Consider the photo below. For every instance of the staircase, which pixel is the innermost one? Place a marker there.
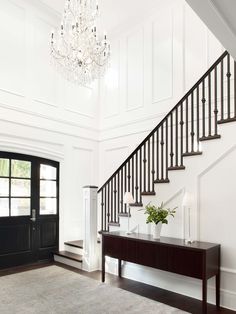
(195, 118)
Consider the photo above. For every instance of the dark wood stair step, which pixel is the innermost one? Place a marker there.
(124, 215)
(148, 193)
(76, 243)
(209, 137)
(162, 181)
(191, 154)
(176, 168)
(114, 224)
(69, 255)
(228, 120)
(136, 205)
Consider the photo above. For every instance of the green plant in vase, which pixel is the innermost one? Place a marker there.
(158, 215)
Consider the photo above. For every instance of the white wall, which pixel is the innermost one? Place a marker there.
(41, 113)
(153, 64)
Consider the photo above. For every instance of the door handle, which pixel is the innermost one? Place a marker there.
(33, 218)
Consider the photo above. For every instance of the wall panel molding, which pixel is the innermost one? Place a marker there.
(138, 102)
(77, 112)
(45, 116)
(12, 93)
(22, 147)
(160, 54)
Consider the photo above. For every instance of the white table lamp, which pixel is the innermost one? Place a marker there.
(187, 200)
(128, 199)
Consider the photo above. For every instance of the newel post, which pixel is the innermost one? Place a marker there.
(90, 258)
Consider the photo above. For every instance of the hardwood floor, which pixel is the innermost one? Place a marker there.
(170, 298)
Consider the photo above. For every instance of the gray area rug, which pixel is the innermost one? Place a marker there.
(56, 290)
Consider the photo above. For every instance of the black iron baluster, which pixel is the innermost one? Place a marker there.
(102, 212)
(112, 204)
(203, 109)
(115, 191)
(198, 117)
(108, 204)
(186, 124)
(222, 89)
(209, 104)
(216, 108)
(129, 176)
(162, 153)
(140, 175)
(171, 139)
(144, 167)
(176, 137)
(122, 190)
(118, 193)
(132, 176)
(148, 167)
(192, 123)
(181, 135)
(228, 85)
(157, 156)
(125, 178)
(105, 211)
(166, 162)
(136, 177)
(153, 164)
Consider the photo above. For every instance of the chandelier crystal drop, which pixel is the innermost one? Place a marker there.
(77, 50)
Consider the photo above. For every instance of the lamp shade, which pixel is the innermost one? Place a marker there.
(128, 198)
(187, 199)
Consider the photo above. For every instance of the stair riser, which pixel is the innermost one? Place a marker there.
(75, 250)
(67, 261)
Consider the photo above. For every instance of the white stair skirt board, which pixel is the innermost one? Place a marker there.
(68, 262)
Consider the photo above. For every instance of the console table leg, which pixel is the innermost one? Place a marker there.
(204, 296)
(218, 290)
(119, 267)
(103, 268)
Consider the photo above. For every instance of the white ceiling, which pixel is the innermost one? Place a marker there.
(115, 14)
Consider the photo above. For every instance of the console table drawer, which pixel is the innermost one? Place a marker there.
(185, 262)
(121, 248)
(150, 254)
(114, 247)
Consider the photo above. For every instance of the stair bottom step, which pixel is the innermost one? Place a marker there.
(70, 256)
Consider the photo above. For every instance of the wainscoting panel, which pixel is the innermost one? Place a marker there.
(135, 69)
(13, 48)
(162, 57)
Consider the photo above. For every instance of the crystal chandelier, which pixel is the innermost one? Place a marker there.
(76, 48)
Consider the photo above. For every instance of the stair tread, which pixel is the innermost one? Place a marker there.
(115, 224)
(136, 205)
(148, 193)
(124, 215)
(162, 181)
(191, 154)
(209, 137)
(69, 255)
(176, 168)
(75, 243)
(227, 120)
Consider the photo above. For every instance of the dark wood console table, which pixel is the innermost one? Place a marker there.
(199, 260)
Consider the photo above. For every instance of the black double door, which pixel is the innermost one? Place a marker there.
(29, 209)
